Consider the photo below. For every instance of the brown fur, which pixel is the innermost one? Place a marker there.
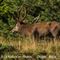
(55, 28)
(24, 29)
(38, 29)
(42, 29)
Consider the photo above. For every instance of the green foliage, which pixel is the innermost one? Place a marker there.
(29, 10)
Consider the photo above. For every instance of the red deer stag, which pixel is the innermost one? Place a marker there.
(37, 30)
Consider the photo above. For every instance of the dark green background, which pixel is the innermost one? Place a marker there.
(33, 11)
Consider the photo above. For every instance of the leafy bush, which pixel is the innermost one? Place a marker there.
(29, 10)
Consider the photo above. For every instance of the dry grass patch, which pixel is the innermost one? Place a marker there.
(32, 46)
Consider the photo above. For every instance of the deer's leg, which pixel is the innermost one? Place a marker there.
(36, 35)
(54, 36)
